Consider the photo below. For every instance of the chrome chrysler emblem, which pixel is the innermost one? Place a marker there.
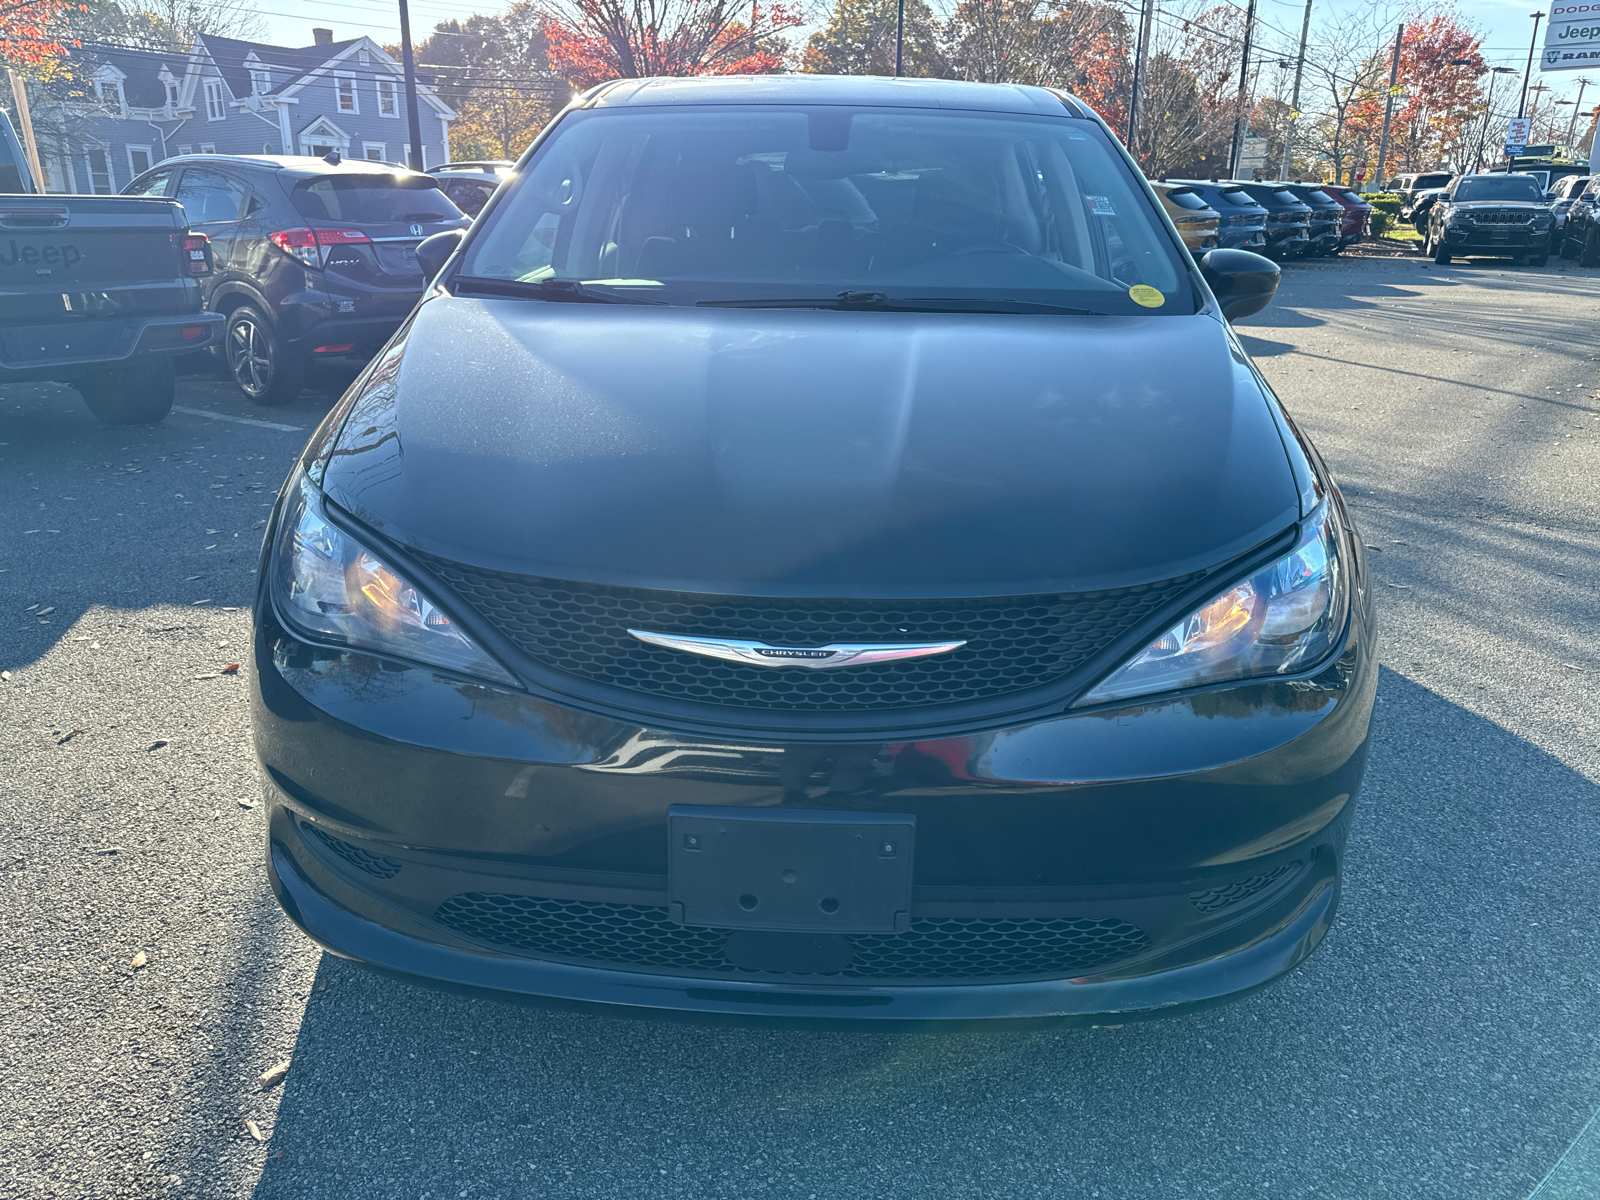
(816, 658)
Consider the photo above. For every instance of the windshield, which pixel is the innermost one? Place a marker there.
(376, 198)
(720, 205)
(1431, 181)
(1352, 197)
(1282, 195)
(1187, 199)
(1498, 187)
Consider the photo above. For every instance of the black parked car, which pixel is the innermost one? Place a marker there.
(1243, 221)
(314, 259)
(1580, 234)
(1326, 218)
(1288, 219)
(1506, 216)
(817, 551)
(1561, 196)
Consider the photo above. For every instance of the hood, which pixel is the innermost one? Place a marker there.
(814, 453)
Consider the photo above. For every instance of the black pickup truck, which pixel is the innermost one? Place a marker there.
(98, 292)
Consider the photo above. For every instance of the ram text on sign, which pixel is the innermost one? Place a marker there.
(1572, 38)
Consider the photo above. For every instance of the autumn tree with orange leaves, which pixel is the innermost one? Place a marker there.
(591, 41)
(1441, 102)
(30, 31)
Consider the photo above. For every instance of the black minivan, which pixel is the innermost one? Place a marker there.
(315, 259)
(817, 551)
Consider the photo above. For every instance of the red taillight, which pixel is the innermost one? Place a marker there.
(336, 348)
(197, 254)
(190, 332)
(308, 245)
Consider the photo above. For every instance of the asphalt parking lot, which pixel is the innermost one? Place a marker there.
(1442, 1043)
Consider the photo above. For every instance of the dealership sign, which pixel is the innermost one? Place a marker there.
(1572, 38)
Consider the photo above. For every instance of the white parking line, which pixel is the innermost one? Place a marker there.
(216, 416)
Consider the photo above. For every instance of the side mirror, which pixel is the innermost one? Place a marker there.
(1243, 283)
(432, 252)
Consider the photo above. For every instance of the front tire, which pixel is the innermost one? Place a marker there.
(1440, 254)
(1589, 256)
(137, 395)
(266, 370)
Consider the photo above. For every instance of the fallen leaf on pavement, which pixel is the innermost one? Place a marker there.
(255, 1131)
(42, 611)
(274, 1074)
(104, 849)
(156, 746)
(139, 960)
(213, 675)
(231, 669)
(5, 675)
(247, 804)
(70, 736)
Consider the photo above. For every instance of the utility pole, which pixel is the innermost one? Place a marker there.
(1389, 108)
(25, 119)
(1146, 20)
(899, 39)
(1572, 128)
(1527, 74)
(410, 65)
(1239, 122)
(1488, 114)
(1294, 100)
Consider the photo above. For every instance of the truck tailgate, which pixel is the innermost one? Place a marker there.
(70, 258)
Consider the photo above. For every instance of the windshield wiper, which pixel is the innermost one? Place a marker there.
(883, 302)
(563, 291)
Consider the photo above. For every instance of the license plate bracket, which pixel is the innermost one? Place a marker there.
(796, 870)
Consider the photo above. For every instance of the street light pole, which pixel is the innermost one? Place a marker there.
(1146, 20)
(1577, 107)
(1294, 100)
(410, 66)
(1388, 105)
(899, 39)
(1239, 120)
(1533, 44)
(1488, 112)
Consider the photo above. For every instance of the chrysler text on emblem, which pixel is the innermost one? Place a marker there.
(817, 658)
(416, 231)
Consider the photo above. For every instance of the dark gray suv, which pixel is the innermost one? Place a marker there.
(315, 259)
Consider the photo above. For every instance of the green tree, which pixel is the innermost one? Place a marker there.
(859, 39)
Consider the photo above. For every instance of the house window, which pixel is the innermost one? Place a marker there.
(386, 100)
(208, 147)
(138, 159)
(101, 181)
(185, 149)
(214, 108)
(260, 82)
(346, 87)
(375, 151)
(172, 95)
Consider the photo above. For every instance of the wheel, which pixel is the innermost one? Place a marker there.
(1440, 254)
(137, 395)
(265, 370)
(1589, 256)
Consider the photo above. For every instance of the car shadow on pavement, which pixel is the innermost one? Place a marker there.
(1439, 1044)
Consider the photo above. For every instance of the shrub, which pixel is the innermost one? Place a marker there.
(1387, 214)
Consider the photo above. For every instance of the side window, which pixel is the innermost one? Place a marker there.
(155, 185)
(208, 196)
(469, 197)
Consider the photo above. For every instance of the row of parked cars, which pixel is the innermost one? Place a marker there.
(1523, 215)
(1283, 220)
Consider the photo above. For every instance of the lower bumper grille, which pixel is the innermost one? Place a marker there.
(629, 936)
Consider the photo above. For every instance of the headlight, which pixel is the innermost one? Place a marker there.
(329, 586)
(1280, 620)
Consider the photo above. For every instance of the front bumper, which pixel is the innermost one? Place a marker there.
(1212, 825)
(1495, 240)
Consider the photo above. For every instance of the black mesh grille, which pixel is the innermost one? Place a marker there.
(640, 936)
(365, 860)
(1216, 898)
(1504, 217)
(1013, 643)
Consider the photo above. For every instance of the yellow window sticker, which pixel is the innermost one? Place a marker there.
(1146, 295)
